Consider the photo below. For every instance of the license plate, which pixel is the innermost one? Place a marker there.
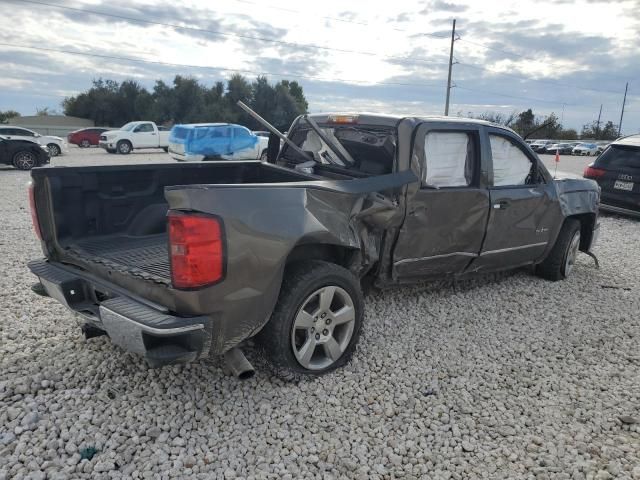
(628, 186)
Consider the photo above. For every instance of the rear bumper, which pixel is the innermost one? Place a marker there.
(133, 323)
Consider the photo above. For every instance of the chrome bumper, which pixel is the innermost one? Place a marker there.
(134, 324)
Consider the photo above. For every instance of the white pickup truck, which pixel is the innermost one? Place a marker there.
(133, 136)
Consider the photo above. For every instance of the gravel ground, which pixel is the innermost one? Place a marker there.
(504, 377)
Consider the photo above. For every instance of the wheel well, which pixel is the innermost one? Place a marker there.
(339, 255)
(587, 221)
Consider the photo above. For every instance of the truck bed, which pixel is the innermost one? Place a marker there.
(143, 256)
(115, 216)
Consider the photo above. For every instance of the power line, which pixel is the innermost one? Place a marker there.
(235, 35)
(539, 80)
(556, 102)
(207, 67)
(519, 55)
(344, 20)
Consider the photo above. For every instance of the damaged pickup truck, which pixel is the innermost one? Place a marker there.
(180, 262)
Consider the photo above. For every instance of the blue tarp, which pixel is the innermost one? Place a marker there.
(213, 139)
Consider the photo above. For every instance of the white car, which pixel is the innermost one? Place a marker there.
(55, 145)
(585, 149)
(134, 136)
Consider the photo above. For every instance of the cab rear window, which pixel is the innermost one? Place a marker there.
(371, 147)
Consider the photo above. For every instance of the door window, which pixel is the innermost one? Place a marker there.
(450, 157)
(23, 133)
(510, 164)
(144, 128)
(240, 132)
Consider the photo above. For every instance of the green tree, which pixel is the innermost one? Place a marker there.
(7, 115)
(592, 131)
(186, 100)
(525, 122)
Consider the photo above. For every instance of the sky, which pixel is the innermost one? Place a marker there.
(562, 56)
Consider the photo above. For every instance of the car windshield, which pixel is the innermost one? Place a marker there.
(129, 126)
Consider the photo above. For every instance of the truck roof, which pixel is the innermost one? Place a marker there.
(392, 120)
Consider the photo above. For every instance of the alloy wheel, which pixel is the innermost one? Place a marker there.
(323, 327)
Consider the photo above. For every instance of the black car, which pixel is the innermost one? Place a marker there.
(617, 171)
(22, 154)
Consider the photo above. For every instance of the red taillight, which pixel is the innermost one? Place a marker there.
(591, 172)
(196, 244)
(34, 215)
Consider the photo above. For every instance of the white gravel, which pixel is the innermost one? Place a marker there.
(509, 377)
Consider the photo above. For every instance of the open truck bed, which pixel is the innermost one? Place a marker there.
(104, 234)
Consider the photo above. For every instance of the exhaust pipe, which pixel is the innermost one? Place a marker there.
(238, 364)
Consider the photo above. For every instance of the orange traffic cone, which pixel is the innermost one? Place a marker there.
(557, 156)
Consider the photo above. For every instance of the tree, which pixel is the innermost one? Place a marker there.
(525, 122)
(7, 115)
(594, 132)
(186, 100)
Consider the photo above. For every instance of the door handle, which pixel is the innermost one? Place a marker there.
(502, 204)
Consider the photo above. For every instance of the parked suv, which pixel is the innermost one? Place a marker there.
(86, 137)
(617, 171)
(55, 145)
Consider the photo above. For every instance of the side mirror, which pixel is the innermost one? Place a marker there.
(37, 135)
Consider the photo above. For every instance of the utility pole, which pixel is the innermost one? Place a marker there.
(453, 39)
(598, 123)
(621, 113)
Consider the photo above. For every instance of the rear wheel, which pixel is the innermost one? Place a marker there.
(316, 323)
(85, 143)
(25, 160)
(263, 156)
(54, 150)
(560, 261)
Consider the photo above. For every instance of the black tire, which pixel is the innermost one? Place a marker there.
(555, 265)
(85, 143)
(124, 147)
(263, 156)
(54, 150)
(277, 339)
(166, 149)
(25, 160)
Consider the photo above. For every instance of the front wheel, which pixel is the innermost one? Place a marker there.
(316, 323)
(25, 160)
(54, 150)
(560, 261)
(124, 147)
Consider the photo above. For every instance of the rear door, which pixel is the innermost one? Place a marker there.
(522, 216)
(447, 213)
(621, 182)
(145, 136)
